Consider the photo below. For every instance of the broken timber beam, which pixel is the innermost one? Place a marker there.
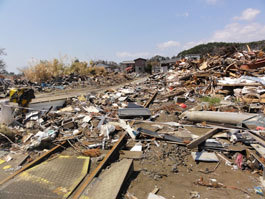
(102, 164)
(258, 139)
(201, 139)
(150, 100)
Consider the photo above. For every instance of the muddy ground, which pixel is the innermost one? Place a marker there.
(176, 177)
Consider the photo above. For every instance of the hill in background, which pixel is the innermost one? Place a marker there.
(222, 48)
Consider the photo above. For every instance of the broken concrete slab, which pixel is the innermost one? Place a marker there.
(204, 157)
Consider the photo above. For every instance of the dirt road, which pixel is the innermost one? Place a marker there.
(63, 94)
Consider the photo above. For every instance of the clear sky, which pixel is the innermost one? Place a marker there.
(118, 30)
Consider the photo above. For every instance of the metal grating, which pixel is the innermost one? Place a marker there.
(52, 179)
(109, 183)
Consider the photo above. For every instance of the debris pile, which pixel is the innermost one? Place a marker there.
(66, 82)
(204, 118)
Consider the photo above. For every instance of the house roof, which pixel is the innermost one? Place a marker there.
(140, 59)
(128, 62)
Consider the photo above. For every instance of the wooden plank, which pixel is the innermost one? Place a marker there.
(227, 162)
(261, 141)
(260, 160)
(260, 149)
(131, 154)
(201, 139)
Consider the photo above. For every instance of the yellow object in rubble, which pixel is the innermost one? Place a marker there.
(22, 96)
(13, 92)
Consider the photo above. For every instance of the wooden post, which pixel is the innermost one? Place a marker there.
(201, 139)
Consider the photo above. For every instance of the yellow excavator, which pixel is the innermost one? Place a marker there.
(21, 96)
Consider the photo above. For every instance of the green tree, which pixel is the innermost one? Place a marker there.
(148, 68)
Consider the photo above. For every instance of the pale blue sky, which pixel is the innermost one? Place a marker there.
(121, 29)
